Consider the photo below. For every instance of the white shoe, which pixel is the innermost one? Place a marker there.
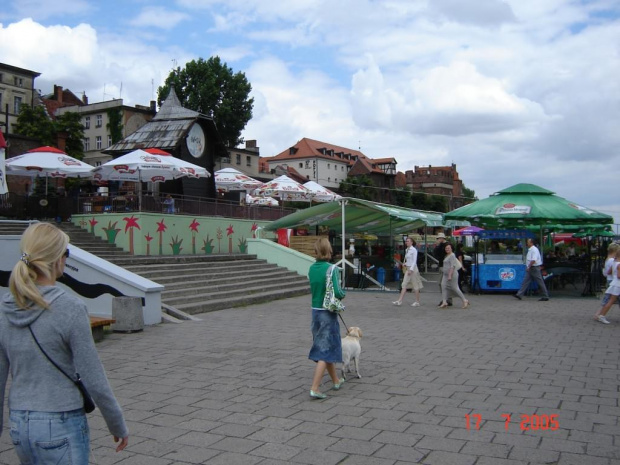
(602, 319)
(415, 304)
(397, 303)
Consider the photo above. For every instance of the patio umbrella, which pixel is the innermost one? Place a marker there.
(320, 193)
(230, 179)
(286, 189)
(49, 162)
(523, 205)
(467, 231)
(140, 166)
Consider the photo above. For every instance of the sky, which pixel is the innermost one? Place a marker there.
(511, 91)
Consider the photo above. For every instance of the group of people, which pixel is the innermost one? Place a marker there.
(449, 265)
(611, 271)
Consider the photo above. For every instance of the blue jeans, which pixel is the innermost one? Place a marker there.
(50, 437)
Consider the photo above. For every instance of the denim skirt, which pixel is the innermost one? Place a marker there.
(50, 437)
(326, 343)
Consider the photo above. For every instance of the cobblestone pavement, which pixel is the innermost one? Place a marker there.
(436, 388)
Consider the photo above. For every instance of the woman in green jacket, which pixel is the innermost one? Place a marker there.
(326, 348)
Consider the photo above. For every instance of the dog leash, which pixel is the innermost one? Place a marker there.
(345, 325)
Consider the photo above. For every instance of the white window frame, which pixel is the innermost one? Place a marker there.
(99, 121)
(98, 143)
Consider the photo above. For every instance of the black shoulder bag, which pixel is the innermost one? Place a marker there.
(89, 405)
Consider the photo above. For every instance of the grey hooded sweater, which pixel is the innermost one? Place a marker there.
(64, 332)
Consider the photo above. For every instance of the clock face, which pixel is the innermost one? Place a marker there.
(196, 141)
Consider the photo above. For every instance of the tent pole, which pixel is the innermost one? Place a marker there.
(344, 262)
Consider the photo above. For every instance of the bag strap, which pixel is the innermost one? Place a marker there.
(49, 358)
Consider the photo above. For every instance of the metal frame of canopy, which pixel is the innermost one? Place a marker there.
(370, 217)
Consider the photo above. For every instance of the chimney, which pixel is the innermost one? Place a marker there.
(58, 93)
(250, 144)
(153, 106)
(84, 99)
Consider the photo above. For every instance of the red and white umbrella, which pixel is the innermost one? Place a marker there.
(286, 189)
(141, 166)
(320, 193)
(48, 162)
(230, 179)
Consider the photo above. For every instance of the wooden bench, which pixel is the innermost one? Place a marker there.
(97, 324)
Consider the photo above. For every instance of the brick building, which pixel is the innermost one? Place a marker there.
(437, 180)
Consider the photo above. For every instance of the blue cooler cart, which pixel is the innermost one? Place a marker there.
(499, 270)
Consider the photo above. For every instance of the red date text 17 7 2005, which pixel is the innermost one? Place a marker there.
(528, 422)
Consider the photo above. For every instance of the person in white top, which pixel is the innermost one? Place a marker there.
(532, 272)
(613, 283)
(412, 274)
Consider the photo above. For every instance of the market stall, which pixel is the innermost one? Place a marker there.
(499, 260)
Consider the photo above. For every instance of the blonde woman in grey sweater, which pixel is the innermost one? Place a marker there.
(48, 422)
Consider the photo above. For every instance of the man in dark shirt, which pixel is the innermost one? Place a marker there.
(440, 253)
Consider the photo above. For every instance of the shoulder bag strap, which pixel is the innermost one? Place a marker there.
(47, 356)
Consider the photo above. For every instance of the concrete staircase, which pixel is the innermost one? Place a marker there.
(195, 283)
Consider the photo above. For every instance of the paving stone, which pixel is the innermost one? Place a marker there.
(448, 458)
(401, 453)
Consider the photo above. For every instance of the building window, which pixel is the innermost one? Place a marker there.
(99, 121)
(109, 140)
(329, 179)
(1, 78)
(87, 122)
(328, 167)
(248, 161)
(97, 163)
(238, 159)
(86, 144)
(98, 142)
(19, 82)
(336, 167)
(0, 97)
(307, 164)
(342, 168)
(17, 103)
(301, 165)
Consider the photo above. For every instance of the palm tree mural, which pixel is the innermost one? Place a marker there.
(253, 230)
(161, 228)
(130, 224)
(219, 234)
(148, 238)
(92, 223)
(229, 233)
(194, 228)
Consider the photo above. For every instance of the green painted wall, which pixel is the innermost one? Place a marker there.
(157, 234)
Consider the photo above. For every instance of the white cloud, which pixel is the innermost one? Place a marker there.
(155, 16)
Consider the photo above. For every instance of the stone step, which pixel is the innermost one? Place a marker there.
(248, 268)
(164, 259)
(248, 289)
(195, 283)
(205, 276)
(187, 291)
(243, 300)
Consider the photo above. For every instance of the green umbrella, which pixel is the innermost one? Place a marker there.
(524, 205)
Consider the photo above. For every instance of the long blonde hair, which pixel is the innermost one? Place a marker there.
(41, 246)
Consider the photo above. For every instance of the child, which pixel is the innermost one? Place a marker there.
(610, 270)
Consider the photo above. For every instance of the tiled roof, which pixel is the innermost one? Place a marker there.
(310, 148)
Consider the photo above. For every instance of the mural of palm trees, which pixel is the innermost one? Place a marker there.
(194, 228)
(92, 223)
(208, 245)
(148, 238)
(229, 233)
(219, 234)
(130, 224)
(176, 245)
(161, 228)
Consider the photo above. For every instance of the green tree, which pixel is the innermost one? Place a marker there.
(35, 123)
(402, 197)
(359, 187)
(436, 203)
(211, 88)
(470, 195)
(71, 124)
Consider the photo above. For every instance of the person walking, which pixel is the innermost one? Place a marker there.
(532, 272)
(411, 274)
(450, 279)
(439, 252)
(610, 271)
(46, 409)
(326, 348)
